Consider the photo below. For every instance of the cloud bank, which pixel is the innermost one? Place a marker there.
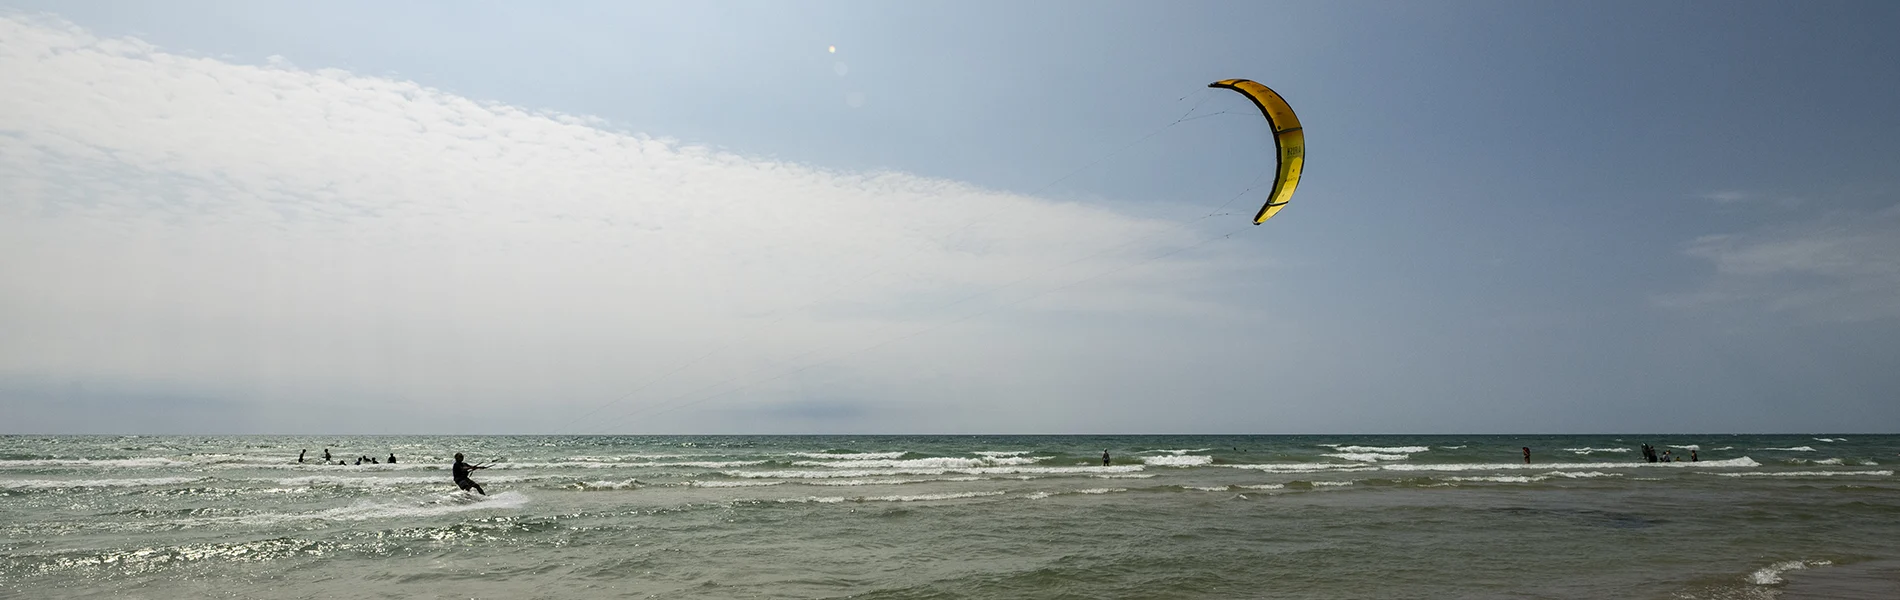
(317, 250)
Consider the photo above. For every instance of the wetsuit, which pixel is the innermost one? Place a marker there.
(461, 470)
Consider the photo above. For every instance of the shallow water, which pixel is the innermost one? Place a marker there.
(944, 516)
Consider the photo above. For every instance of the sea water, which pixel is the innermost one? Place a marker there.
(944, 516)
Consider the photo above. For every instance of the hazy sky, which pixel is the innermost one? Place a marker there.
(693, 217)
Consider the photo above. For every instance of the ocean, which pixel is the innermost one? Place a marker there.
(967, 516)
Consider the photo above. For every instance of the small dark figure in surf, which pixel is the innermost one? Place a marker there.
(1527, 455)
(300, 454)
(461, 470)
(1667, 458)
(1693, 457)
(1649, 453)
(392, 458)
(1105, 458)
(359, 460)
(326, 455)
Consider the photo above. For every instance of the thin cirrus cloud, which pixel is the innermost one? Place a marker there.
(276, 235)
(1840, 266)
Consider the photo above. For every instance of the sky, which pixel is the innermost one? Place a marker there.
(947, 217)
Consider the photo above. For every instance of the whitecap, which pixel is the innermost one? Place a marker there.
(1771, 575)
(1367, 456)
(1178, 460)
(1793, 449)
(50, 484)
(1380, 449)
(857, 456)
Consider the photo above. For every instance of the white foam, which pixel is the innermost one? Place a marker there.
(587, 486)
(997, 453)
(1581, 475)
(915, 498)
(1180, 452)
(1380, 449)
(857, 456)
(1451, 447)
(1688, 447)
(446, 503)
(1732, 462)
(863, 473)
(1771, 574)
(1830, 439)
(1125, 476)
(1367, 456)
(858, 482)
(732, 484)
(1330, 483)
(1499, 478)
(54, 484)
(921, 463)
(1726, 448)
(1178, 460)
(1303, 467)
(1265, 486)
(1101, 490)
(1595, 450)
(1882, 473)
(1794, 449)
(1205, 489)
(111, 463)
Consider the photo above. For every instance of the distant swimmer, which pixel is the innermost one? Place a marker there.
(1667, 458)
(300, 454)
(1527, 455)
(461, 471)
(326, 455)
(1693, 457)
(1104, 458)
(392, 458)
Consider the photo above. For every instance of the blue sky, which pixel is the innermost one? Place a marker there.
(437, 217)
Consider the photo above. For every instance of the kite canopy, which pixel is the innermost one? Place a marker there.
(1287, 139)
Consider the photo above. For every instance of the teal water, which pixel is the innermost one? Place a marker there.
(942, 516)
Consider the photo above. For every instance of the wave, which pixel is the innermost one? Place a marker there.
(1091, 491)
(1177, 452)
(1205, 488)
(1380, 449)
(915, 498)
(732, 484)
(1793, 449)
(862, 473)
(1178, 460)
(1687, 447)
(998, 453)
(921, 463)
(1264, 486)
(849, 456)
(1304, 467)
(1771, 574)
(1594, 450)
(596, 486)
(1882, 473)
(104, 463)
(54, 484)
(1367, 456)
(1733, 462)
(1830, 439)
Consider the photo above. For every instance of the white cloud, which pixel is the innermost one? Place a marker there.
(1838, 267)
(284, 235)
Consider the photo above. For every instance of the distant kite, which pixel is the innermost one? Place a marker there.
(1288, 140)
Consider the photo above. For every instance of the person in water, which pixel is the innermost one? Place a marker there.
(1527, 455)
(326, 455)
(392, 458)
(1104, 458)
(300, 454)
(461, 471)
(1693, 457)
